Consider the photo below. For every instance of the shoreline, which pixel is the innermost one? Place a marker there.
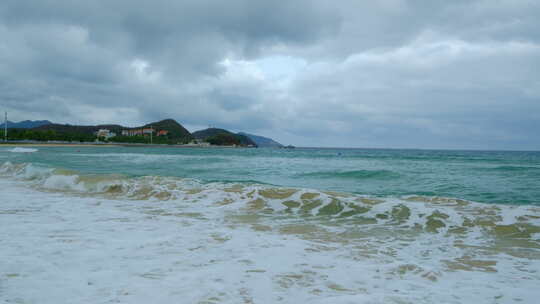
(55, 145)
(106, 145)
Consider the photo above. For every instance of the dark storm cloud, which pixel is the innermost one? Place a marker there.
(389, 73)
(181, 34)
(84, 51)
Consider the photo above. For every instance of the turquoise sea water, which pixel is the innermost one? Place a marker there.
(482, 176)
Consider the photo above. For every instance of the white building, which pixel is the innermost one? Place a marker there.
(105, 133)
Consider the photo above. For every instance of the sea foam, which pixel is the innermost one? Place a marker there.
(23, 150)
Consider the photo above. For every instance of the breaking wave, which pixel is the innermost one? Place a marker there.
(430, 214)
(436, 243)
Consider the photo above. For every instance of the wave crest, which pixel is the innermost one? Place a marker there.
(448, 216)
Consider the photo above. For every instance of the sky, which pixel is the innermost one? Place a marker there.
(380, 74)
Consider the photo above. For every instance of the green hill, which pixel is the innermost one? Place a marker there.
(222, 137)
(176, 132)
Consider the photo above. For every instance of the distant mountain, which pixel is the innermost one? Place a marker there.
(223, 137)
(26, 124)
(261, 141)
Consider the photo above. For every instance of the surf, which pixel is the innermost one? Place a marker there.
(297, 242)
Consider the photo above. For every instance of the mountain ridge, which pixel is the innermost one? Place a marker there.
(25, 124)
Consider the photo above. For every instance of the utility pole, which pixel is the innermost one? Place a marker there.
(151, 131)
(5, 129)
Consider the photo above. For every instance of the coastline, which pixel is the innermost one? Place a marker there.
(108, 145)
(56, 145)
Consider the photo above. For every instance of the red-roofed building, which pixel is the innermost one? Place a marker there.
(162, 133)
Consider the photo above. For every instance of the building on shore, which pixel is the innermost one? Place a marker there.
(105, 133)
(132, 132)
(144, 132)
(198, 143)
(135, 132)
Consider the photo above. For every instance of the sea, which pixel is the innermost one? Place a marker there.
(233, 225)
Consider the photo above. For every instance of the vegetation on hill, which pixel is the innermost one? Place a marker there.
(203, 134)
(176, 132)
(58, 128)
(222, 137)
(48, 135)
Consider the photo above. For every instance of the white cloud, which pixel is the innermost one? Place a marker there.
(143, 71)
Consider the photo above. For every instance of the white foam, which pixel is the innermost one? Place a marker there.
(32, 172)
(64, 182)
(6, 167)
(188, 249)
(23, 150)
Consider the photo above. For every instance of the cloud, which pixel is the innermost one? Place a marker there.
(392, 73)
(465, 93)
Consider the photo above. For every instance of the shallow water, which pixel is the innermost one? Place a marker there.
(139, 225)
(490, 177)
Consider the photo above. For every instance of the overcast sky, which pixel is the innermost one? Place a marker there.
(390, 73)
